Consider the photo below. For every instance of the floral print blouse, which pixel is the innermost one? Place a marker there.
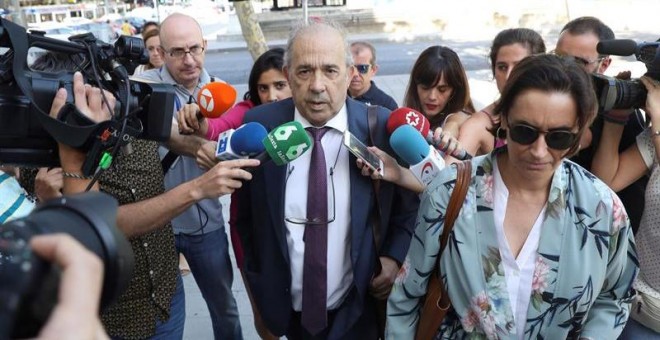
(584, 270)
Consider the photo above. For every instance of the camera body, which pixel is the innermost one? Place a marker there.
(616, 93)
(29, 136)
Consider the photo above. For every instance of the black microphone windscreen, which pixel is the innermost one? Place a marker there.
(622, 47)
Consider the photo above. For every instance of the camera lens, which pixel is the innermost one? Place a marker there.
(629, 94)
(29, 285)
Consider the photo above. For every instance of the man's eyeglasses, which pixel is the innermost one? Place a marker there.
(179, 53)
(363, 68)
(559, 139)
(314, 221)
(579, 60)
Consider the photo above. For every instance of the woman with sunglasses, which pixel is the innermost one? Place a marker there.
(619, 171)
(509, 47)
(540, 248)
(439, 89)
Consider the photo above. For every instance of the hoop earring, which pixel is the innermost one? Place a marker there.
(500, 133)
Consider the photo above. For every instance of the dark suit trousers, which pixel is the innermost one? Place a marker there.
(363, 329)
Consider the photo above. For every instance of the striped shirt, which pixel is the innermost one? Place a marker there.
(14, 203)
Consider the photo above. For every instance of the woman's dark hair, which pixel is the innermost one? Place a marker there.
(526, 37)
(271, 59)
(434, 63)
(145, 28)
(551, 73)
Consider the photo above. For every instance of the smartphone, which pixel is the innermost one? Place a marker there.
(360, 151)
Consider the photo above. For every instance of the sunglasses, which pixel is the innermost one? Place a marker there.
(559, 139)
(578, 60)
(363, 68)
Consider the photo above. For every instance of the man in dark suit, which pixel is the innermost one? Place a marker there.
(300, 293)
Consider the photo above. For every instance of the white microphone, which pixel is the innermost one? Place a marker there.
(425, 160)
(426, 170)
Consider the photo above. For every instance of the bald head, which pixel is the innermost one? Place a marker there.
(176, 22)
(182, 48)
(318, 30)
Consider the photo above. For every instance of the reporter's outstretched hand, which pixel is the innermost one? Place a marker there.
(652, 106)
(391, 169)
(76, 314)
(206, 155)
(448, 143)
(190, 122)
(48, 183)
(222, 179)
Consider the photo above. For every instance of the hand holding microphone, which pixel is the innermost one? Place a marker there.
(424, 160)
(213, 100)
(444, 142)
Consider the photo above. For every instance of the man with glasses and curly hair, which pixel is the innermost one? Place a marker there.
(199, 231)
(578, 39)
(362, 86)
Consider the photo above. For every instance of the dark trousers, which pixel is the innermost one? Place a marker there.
(298, 332)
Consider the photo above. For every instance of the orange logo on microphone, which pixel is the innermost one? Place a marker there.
(206, 101)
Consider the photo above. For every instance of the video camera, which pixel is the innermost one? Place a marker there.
(626, 94)
(28, 134)
(29, 285)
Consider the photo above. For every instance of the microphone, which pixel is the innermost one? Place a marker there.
(424, 160)
(621, 47)
(282, 145)
(286, 143)
(407, 116)
(241, 143)
(214, 99)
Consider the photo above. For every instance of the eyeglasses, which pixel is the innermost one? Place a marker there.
(559, 139)
(579, 60)
(314, 221)
(362, 68)
(179, 53)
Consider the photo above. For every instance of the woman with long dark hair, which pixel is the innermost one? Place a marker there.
(438, 88)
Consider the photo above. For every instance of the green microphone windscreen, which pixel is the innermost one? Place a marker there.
(287, 142)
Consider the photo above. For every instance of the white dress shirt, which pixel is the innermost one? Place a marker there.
(519, 272)
(340, 271)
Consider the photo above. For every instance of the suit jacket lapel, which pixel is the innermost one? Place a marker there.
(275, 179)
(361, 186)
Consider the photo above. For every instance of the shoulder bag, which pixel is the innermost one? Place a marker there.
(436, 301)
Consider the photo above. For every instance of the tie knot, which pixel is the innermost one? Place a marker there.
(317, 133)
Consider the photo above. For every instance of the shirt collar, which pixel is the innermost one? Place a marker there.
(167, 78)
(339, 122)
(369, 94)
